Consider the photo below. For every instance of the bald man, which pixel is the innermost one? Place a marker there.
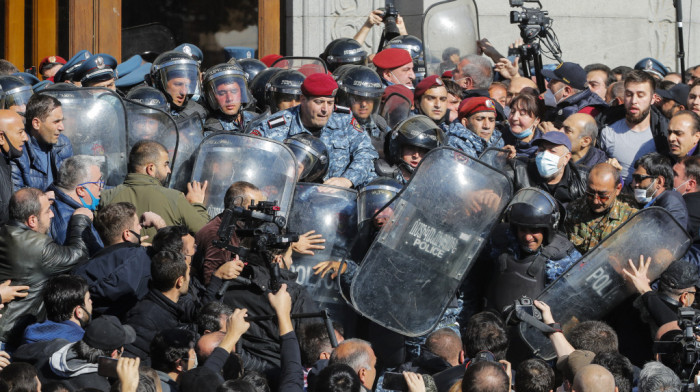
(357, 354)
(582, 130)
(517, 85)
(594, 378)
(12, 139)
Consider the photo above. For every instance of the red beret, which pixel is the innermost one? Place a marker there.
(392, 58)
(319, 85)
(428, 83)
(473, 105)
(270, 58)
(398, 89)
(447, 74)
(52, 60)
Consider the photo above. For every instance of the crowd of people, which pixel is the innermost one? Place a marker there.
(116, 275)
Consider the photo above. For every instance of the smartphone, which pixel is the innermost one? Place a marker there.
(394, 382)
(107, 367)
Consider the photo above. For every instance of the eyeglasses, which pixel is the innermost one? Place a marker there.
(639, 178)
(100, 183)
(599, 195)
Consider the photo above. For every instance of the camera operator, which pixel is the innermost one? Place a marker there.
(375, 18)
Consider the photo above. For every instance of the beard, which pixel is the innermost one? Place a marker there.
(636, 119)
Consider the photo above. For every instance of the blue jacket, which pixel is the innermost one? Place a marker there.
(50, 330)
(63, 208)
(31, 168)
(472, 144)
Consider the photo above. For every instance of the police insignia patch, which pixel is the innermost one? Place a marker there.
(276, 122)
(356, 125)
(52, 59)
(99, 61)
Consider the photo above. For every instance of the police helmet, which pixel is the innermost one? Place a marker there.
(148, 96)
(414, 46)
(285, 85)
(175, 65)
(226, 88)
(251, 67)
(419, 131)
(17, 91)
(533, 207)
(311, 154)
(360, 85)
(258, 86)
(344, 51)
(375, 195)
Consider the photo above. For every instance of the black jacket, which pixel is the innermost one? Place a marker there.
(673, 202)
(426, 363)
(692, 202)
(571, 187)
(658, 124)
(5, 188)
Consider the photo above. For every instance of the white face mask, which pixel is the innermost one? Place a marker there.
(547, 163)
(680, 186)
(555, 95)
(641, 194)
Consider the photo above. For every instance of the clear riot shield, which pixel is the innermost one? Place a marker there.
(305, 65)
(589, 289)
(94, 120)
(495, 157)
(148, 123)
(224, 158)
(440, 222)
(395, 109)
(332, 212)
(449, 27)
(190, 134)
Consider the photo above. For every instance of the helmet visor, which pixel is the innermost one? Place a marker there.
(372, 199)
(363, 107)
(227, 93)
(18, 96)
(180, 79)
(310, 164)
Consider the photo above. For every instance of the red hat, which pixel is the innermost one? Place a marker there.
(52, 60)
(428, 83)
(398, 89)
(319, 85)
(392, 58)
(270, 58)
(447, 74)
(473, 105)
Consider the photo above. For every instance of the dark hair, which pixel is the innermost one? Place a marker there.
(257, 380)
(313, 340)
(533, 375)
(235, 386)
(610, 78)
(169, 346)
(88, 353)
(692, 167)
(62, 293)
(453, 87)
(236, 192)
(442, 343)
(40, 106)
(337, 378)
(169, 238)
(7, 68)
(485, 332)
(638, 76)
(693, 116)
(530, 102)
(592, 335)
(144, 152)
(485, 376)
(20, 377)
(166, 268)
(657, 165)
(113, 219)
(621, 70)
(620, 367)
(209, 318)
(25, 203)
(54, 386)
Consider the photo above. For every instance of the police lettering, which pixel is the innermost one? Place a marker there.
(363, 83)
(600, 282)
(287, 83)
(431, 240)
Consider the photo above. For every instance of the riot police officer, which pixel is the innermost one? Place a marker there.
(258, 87)
(283, 91)
(350, 148)
(414, 46)
(431, 100)
(409, 143)
(97, 71)
(311, 155)
(17, 93)
(145, 125)
(529, 251)
(226, 92)
(177, 75)
(251, 67)
(361, 89)
(342, 51)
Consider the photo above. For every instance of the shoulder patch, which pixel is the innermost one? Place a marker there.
(256, 132)
(276, 122)
(342, 109)
(356, 125)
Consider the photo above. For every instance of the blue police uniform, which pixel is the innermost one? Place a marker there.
(350, 148)
(459, 137)
(65, 73)
(218, 121)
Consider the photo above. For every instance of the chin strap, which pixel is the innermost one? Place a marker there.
(406, 166)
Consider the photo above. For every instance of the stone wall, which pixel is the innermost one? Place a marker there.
(614, 32)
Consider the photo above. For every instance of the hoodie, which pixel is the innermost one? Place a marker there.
(78, 372)
(50, 330)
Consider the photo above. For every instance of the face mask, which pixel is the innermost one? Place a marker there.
(13, 152)
(411, 86)
(681, 185)
(95, 201)
(524, 134)
(555, 94)
(196, 362)
(137, 235)
(641, 194)
(547, 164)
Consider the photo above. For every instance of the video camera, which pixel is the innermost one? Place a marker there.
(391, 29)
(533, 21)
(682, 354)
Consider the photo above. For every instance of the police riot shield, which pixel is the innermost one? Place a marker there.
(440, 222)
(190, 134)
(595, 285)
(395, 109)
(305, 65)
(495, 157)
(332, 212)
(449, 28)
(94, 120)
(149, 123)
(224, 158)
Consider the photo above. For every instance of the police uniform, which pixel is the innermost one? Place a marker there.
(377, 129)
(461, 138)
(97, 68)
(191, 108)
(389, 59)
(218, 121)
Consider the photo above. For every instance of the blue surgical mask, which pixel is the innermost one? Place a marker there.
(547, 163)
(95, 201)
(642, 195)
(524, 134)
